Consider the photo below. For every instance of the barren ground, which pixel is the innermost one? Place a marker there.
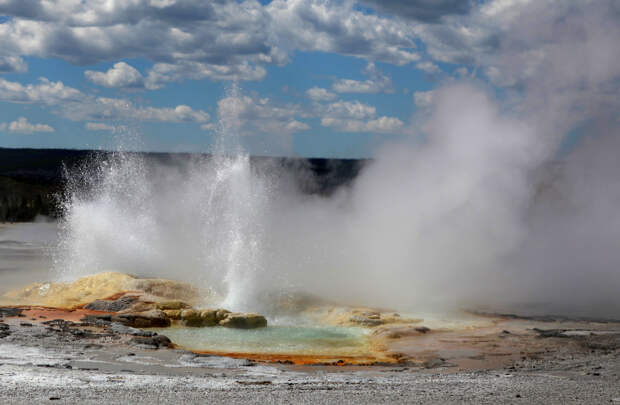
(511, 360)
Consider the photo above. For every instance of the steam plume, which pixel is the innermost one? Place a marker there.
(488, 203)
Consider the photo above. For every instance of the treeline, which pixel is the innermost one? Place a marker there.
(31, 180)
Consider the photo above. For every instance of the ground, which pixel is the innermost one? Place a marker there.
(527, 361)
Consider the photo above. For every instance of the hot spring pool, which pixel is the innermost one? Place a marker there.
(278, 340)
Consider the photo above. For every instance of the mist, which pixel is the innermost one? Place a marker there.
(492, 200)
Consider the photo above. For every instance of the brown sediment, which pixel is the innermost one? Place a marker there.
(41, 313)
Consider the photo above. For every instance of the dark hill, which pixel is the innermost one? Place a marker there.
(32, 179)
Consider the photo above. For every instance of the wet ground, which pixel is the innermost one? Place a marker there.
(51, 355)
(67, 361)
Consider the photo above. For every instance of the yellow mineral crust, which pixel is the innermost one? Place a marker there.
(99, 286)
(357, 316)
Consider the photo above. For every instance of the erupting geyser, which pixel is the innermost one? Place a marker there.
(438, 225)
(199, 220)
(482, 205)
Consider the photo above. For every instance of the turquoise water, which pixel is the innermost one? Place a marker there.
(308, 340)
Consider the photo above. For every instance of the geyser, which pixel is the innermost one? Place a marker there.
(441, 224)
(480, 205)
(199, 220)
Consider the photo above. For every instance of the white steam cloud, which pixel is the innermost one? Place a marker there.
(487, 205)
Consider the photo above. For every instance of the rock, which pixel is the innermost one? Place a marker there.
(191, 317)
(147, 319)
(128, 330)
(112, 306)
(422, 329)
(199, 318)
(547, 333)
(98, 320)
(209, 317)
(372, 315)
(397, 332)
(172, 305)
(173, 313)
(154, 342)
(366, 320)
(244, 321)
(60, 323)
(8, 311)
(434, 363)
(140, 306)
(221, 314)
(4, 330)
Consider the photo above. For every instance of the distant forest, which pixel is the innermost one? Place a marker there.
(31, 180)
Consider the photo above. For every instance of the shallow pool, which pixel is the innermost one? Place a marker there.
(294, 340)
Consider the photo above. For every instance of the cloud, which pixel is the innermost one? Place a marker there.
(511, 42)
(2, 126)
(104, 108)
(339, 27)
(320, 94)
(162, 73)
(423, 99)
(348, 109)
(190, 39)
(100, 126)
(22, 125)
(45, 92)
(12, 64)
(377, 83)
(220, 34)
(77, 106)
(421, 10)
(428, 67)
(120, 75)
(384, 124)
(349, 116)
(250, 115)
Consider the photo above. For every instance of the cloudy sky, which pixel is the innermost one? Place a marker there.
(313, 77)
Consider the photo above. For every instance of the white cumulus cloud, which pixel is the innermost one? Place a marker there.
(320, 94)
(115, 109)
(347, 116)
(120, 75)
(22, 125)
(252, 115)
(13, 64)
(45, 92)
(376, 83)
(428, 67)
(423, 99)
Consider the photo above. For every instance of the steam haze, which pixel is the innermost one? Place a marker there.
(494, 200)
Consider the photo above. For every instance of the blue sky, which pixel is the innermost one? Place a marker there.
(314, 78)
